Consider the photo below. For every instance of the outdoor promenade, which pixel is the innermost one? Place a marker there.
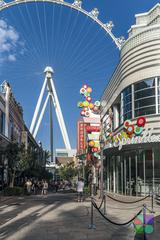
(60, 217)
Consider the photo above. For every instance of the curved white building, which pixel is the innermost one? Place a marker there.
(132, 148)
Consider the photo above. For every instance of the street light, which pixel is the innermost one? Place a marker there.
(102, 143)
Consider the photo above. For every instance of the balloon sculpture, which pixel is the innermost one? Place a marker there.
(87, 105)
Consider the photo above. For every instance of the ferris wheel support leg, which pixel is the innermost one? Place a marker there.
(41, 116)
(51, 127)
(38, 106)
(60, 116)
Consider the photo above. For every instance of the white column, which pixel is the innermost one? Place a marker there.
(7, 97)
(108, 170)
(153, 166)
(114, 175)
(116, 116)
(133, 105)
(156, 94)
(60, 116)
(38, 106)
(144, 171)
(121, 109)
(40, 117)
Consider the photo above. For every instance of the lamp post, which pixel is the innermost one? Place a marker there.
(101, 171)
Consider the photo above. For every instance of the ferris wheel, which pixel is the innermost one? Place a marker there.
(48, 85)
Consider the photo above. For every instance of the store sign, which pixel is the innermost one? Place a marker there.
(93, 136)
(146, 137)
(92, 120)
(92, 129)
(132, 134)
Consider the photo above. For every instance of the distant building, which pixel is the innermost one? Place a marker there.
(65, 156)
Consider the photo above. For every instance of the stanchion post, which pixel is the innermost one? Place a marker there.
(144, 217)
(105, 204)
(92, 226)
(152, 202)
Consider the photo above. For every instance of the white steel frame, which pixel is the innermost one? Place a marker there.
(76, 5)
(36, 121)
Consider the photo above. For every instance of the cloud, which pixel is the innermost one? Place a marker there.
(9, 42)
(12, 58)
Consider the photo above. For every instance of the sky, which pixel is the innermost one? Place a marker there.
(34, 35)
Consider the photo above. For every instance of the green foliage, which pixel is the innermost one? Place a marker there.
(13, 191)
(17, 162)
(86, 190)
(68, 171)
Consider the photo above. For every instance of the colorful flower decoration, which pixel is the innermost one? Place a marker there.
(141, 121)
(127, 123)
(89, 99)
(87, 105)
(82, 91)
(89, 89)
(130, 129)
(138, 130)
(91, 143)
(85, 86)
(80, 104)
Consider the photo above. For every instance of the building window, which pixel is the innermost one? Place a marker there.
(127, 103)
(144, 97)
(2, 122)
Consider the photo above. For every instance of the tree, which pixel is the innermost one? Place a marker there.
(17, 161)
(68, 172)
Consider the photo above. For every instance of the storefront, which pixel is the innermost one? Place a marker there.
(130, 112)
(3, 162)
(134, 170)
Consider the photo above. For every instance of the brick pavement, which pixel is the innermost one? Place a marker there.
(60, 217)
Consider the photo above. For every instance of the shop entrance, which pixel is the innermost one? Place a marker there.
(134, 173)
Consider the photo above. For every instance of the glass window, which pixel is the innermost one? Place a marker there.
(128, 107)
(2, 122)
(144, 97)
(148, 83)
(145, 102)
(144, 93)
(127, 103)
(145, 111)
(127, 116)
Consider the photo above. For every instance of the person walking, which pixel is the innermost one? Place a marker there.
(29, 186)
(56, 186)
(45, 188)
(80, 188)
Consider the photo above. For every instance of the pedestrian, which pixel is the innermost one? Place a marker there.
(45, 188)
(56, 186)
(80, 188)
(28, 186)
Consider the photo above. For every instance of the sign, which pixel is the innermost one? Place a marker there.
(92, 120)
(146, 137)
(92, 129)
(93, 136)
(132, 134)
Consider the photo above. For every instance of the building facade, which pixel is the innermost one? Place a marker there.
(13, 129)
(130, 112)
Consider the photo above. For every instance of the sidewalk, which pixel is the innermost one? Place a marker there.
(60, 217)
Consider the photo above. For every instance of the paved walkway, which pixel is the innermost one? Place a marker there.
(60, 217)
